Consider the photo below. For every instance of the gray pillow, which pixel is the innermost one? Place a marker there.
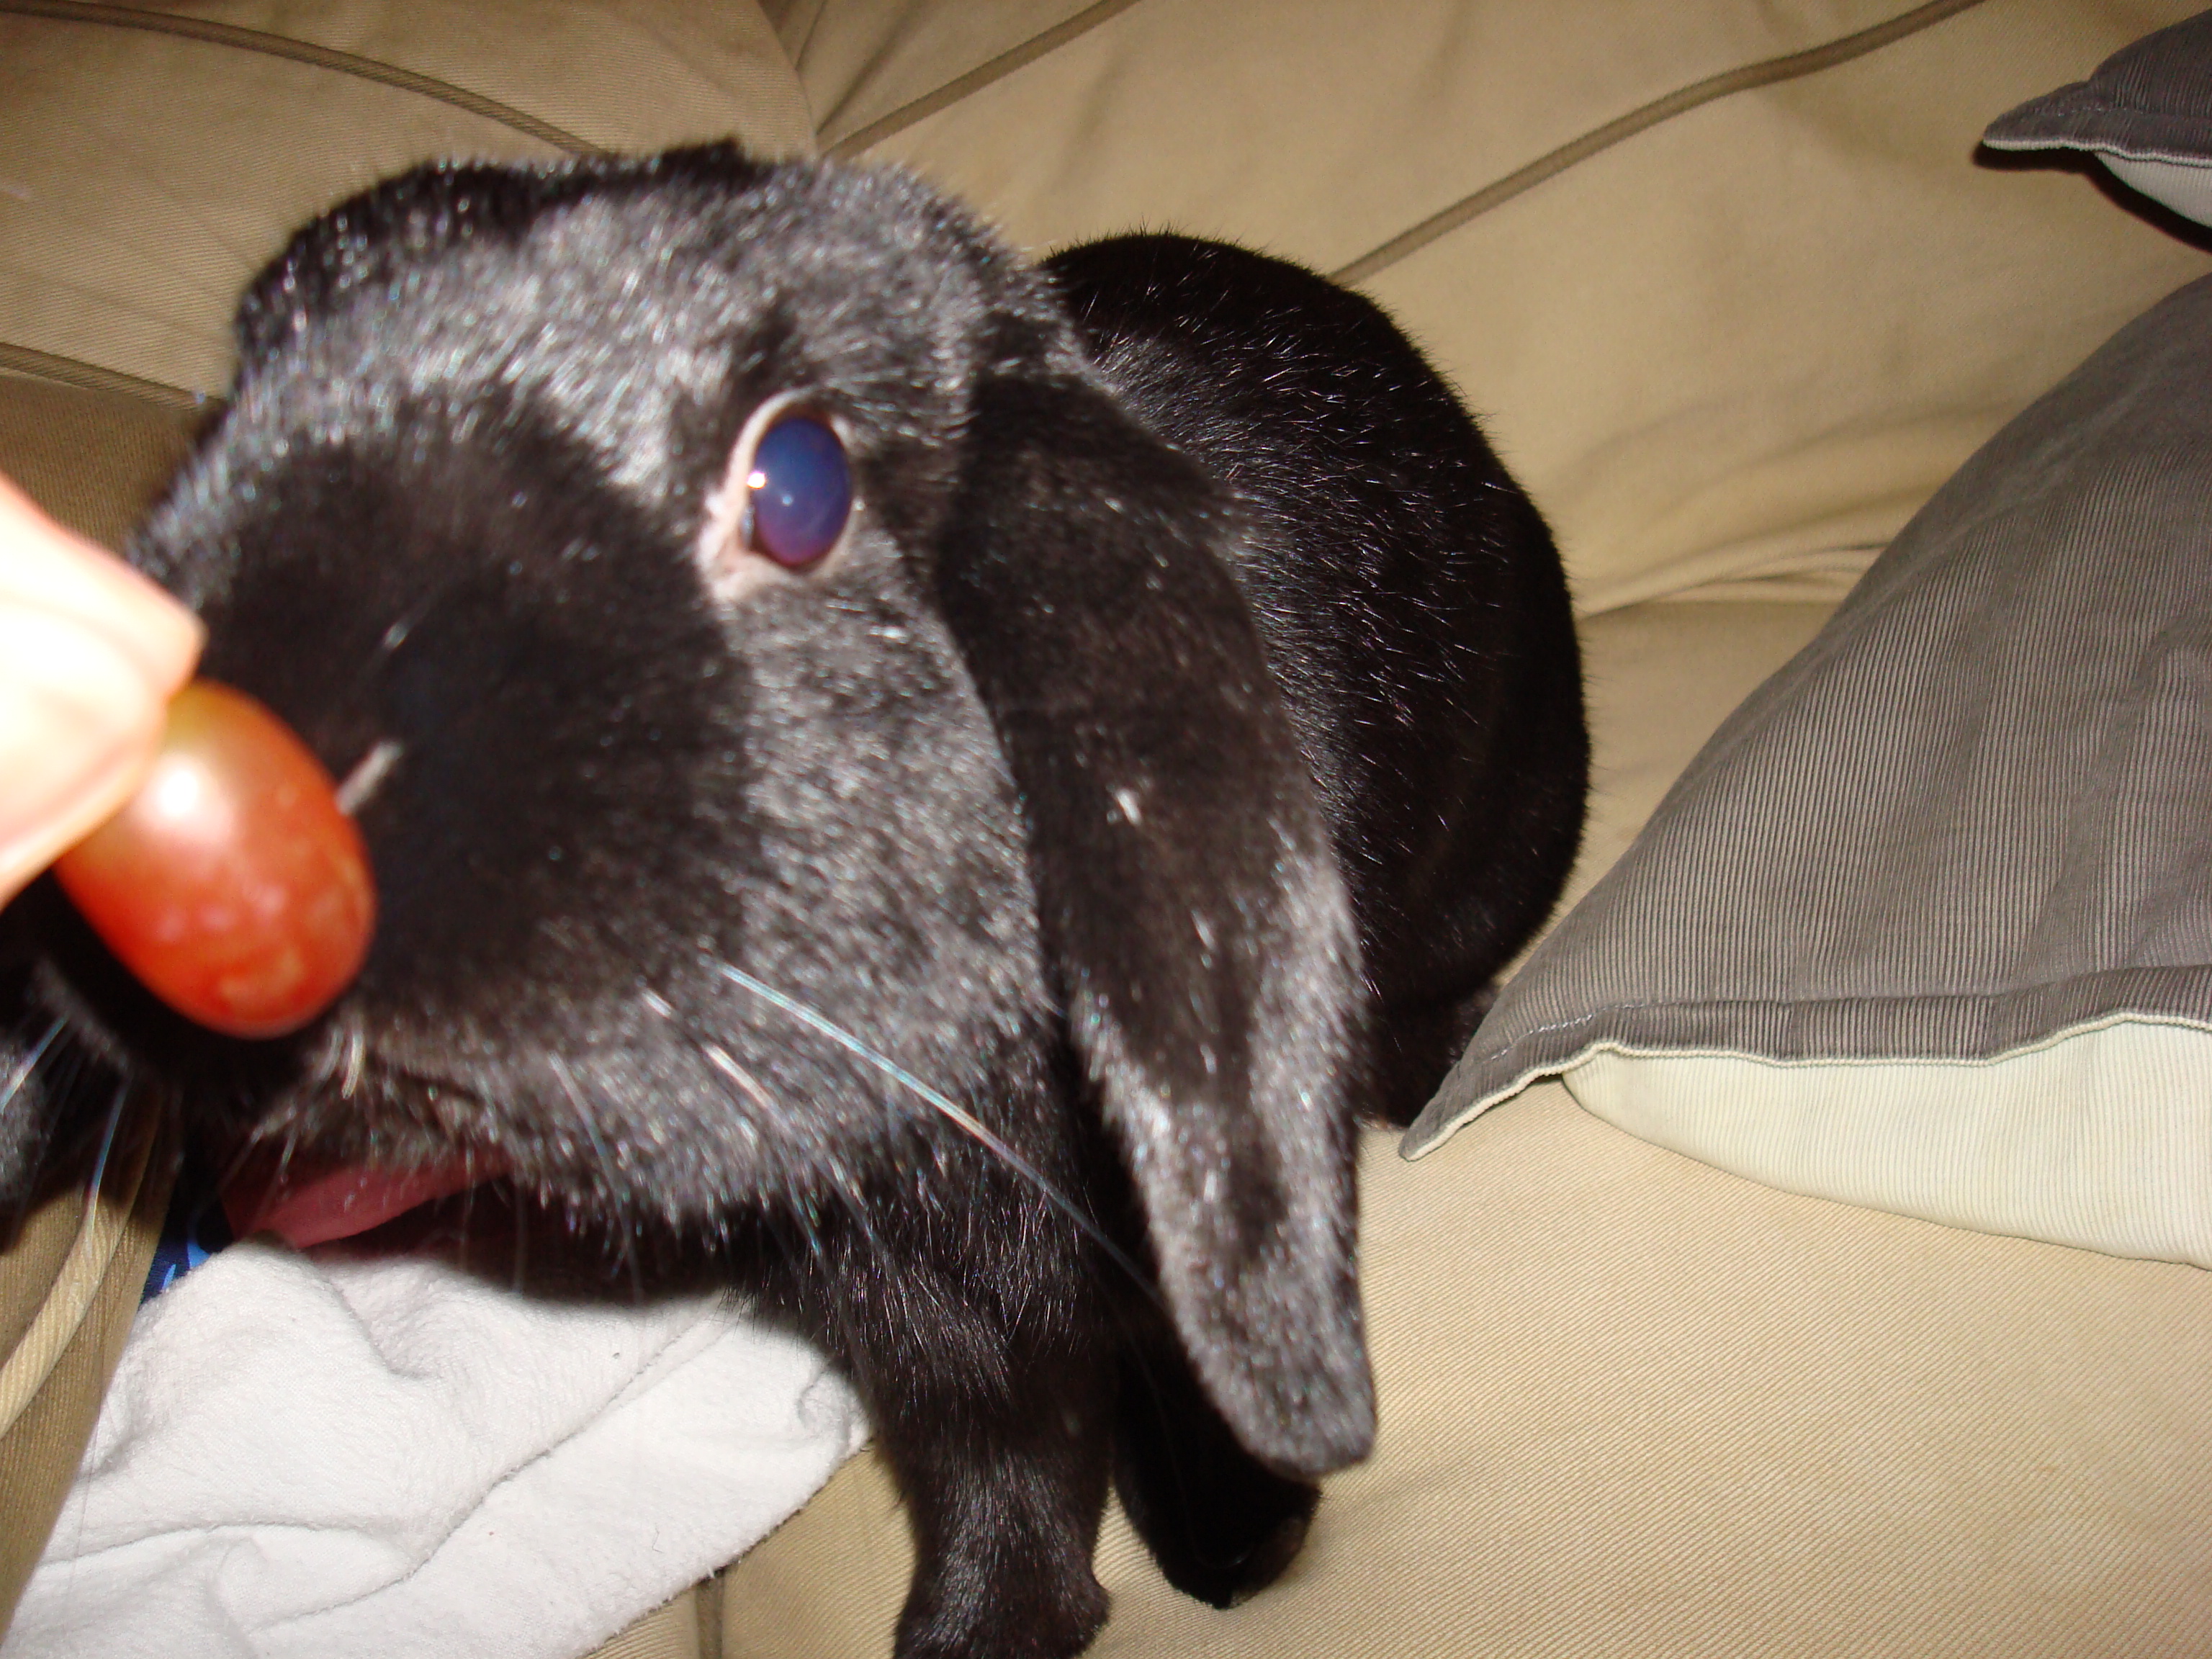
(1927, 924)
(2145, 114)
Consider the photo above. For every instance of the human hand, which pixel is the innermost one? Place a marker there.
(90, 654)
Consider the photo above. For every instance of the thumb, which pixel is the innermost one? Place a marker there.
(90, 653)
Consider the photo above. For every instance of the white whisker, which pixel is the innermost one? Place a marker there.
(949, 1110)
(108, 1139)
(723, 1061)
(28, 1065)
(569, 1086)
(370, 772)
(357, 1058)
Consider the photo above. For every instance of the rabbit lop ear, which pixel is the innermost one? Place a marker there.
(1191, 906)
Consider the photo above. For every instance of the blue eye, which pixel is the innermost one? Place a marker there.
(799, 493)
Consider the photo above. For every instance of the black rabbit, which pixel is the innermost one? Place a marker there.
(959, 781)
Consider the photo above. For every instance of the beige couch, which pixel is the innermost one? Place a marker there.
(1734, 297)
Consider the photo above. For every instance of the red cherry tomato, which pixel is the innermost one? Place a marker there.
(231, 885)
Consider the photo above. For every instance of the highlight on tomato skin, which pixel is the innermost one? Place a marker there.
(232, 885)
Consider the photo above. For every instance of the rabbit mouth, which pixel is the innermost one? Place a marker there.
(371, 1133)
(355, 1144)
(307, 1200)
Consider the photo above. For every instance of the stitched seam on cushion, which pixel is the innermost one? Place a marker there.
(1914, 998)
(1746, 77)
(1594, 1022)
(994, 69)
(91, 377)
(1744, 1054)
(1575, 1059)
(302, 52)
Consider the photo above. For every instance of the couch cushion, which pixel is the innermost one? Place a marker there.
(152, 157)
(1747, 340)
(1925, 925)
(71, 1268)
(94, 458)
(1636, 1406)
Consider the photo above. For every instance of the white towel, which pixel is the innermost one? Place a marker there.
(318, 1456)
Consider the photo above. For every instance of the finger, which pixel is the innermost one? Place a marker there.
(79, 725)
(45, 565)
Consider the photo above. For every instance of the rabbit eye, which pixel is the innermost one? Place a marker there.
(786, 505)
(799, 492)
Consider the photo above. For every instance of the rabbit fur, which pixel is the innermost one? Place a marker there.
(1186, 730)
